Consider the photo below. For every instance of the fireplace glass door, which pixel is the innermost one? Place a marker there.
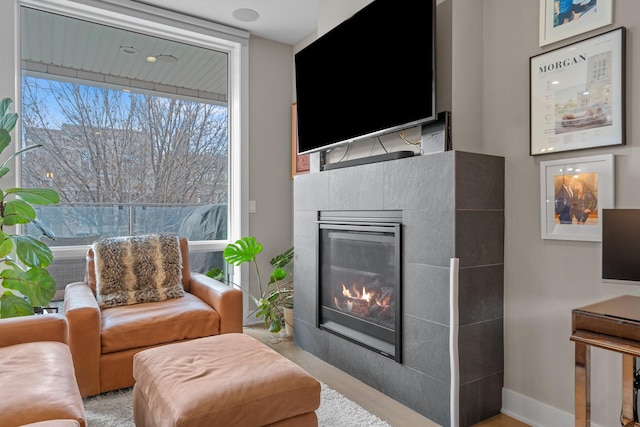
(359, 289)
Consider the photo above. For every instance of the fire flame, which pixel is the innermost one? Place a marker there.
(358, 299)
(364, 295)
(383, 302)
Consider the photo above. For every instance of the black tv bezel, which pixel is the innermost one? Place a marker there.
(372, 131)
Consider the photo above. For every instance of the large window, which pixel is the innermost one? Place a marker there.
(123, 163)
(136, 131)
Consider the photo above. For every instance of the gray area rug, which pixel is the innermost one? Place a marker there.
(115, 409)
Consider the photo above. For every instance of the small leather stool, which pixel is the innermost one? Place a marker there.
(225, 380)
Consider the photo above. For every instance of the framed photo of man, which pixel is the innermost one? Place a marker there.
(573, 194)
(561, 19)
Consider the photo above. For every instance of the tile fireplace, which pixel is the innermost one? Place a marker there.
(451, 205)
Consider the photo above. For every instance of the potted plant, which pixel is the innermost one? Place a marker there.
(285, 293)
(25, 284)
(278, 292)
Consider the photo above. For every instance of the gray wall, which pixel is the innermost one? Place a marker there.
(270, 182)
(7, 65)
(545, 279)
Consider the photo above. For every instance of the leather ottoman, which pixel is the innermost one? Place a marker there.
(37, 382)
(225, 380)
(54, 423)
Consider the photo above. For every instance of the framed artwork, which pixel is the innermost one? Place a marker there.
(573, 193)
(577, 95)
(561, 19)
(299, 162)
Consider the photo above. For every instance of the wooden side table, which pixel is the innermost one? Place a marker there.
(613, 325)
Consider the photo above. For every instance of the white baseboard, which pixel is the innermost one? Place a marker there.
(533, 412)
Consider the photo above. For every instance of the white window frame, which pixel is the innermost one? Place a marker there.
(158, 22)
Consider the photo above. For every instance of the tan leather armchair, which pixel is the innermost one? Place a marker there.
(36, 373)
(104, 341)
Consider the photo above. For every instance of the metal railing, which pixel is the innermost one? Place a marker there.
(80, 220)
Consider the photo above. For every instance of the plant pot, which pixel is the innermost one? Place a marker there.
(288, 321)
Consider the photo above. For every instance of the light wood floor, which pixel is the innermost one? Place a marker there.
(396, 414)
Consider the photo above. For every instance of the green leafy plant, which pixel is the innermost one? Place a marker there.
(278, 292)
(284, 261)
(27, 284)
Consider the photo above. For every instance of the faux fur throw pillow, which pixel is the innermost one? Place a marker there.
(137, 269)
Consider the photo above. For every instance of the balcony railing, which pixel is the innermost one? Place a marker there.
(78, 220)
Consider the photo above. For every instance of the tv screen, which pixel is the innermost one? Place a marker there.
(621, 245)
(372, 74)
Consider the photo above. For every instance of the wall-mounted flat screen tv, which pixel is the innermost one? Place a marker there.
(621, 246)
(372, 74)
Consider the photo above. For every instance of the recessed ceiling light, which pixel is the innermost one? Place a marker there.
(245, 15)
(129, 50)
(151, 58)
(167, 59)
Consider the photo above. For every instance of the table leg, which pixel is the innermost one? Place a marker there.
(628, 369)
(582, 385)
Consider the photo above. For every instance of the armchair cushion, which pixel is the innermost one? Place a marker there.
(151, 324)
(138, 269)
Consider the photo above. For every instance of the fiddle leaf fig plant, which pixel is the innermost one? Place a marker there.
(278, 292)
(24, 281)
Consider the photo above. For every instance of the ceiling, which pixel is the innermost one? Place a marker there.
(64, 48)
(285, 21)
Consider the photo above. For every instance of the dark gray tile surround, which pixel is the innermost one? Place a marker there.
(452, 205)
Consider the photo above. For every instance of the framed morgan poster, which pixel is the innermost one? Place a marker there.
(577, 95)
